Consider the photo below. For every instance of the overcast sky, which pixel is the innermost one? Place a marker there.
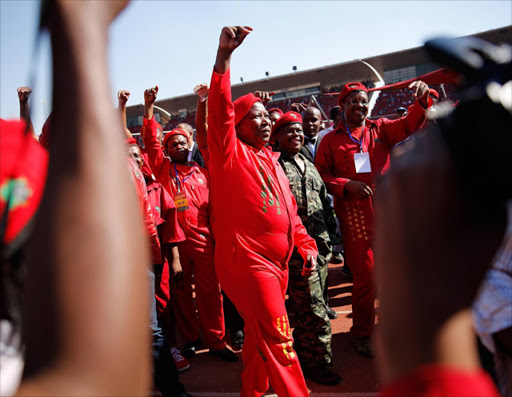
(173, 43)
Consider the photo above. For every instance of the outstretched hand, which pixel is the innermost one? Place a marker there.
(420, 91)
(265, 96)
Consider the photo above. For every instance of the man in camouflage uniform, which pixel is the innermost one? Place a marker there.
(312, 334)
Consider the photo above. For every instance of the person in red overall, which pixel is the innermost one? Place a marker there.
(349, 161)
(256, 227)
(188, 184)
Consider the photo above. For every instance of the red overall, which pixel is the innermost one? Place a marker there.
(256, 226)
(169, 232)
(196, 252)
(335, 163)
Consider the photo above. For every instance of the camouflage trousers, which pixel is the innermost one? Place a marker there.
(312, 328)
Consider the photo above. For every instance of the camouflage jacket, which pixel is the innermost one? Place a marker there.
(313, 204)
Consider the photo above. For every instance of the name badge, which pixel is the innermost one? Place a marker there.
(362, 162)
(181, 202)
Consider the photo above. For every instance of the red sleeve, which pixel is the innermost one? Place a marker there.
(221, 119)
(324, 163)
(395, 131)
(153, 147)
(436, 381)
(171, 231)
(147, 212)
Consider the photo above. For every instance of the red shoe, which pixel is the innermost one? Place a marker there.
(181, 362)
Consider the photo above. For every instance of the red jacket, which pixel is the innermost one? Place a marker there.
(253, 207)
(193, 180)
(146, 211)
(164, 212)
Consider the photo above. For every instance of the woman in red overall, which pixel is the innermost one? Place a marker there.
(256, 226)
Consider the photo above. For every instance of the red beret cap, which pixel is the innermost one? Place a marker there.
(131, 141)
(169, 135)
(276, 110)
(285, 119)
(348, 88)
(243, 105)
(434, 92)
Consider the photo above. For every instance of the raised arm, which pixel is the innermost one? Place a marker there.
(86, 294)
(23, 95)
(150, 133)
(122, 98)
(396, 131)
(221, 113)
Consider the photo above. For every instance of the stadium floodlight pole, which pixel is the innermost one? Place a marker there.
(380, 83)
(443, 91)
(319, 107)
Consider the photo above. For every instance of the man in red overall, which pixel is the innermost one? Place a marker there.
(188, 185)
(349, 161)
(256, 227)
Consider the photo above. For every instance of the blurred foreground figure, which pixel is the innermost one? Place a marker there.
(87, 298)
(438, 228)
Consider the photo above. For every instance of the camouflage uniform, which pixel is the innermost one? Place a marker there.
(312, 334)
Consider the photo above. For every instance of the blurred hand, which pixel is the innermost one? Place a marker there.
(177, 274)
(298, 107)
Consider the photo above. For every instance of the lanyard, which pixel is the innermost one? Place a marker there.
(178, 179)
(360, 143)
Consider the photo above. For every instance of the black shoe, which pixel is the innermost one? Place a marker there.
(331, 313)
(364, 347)
(190, 349)
(237, 338)
(337, 257)
(322, 375)
(224, 354)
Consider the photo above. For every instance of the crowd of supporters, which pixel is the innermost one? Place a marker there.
(245, 208)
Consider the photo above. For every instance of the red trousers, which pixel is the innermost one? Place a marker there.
(198, 260)
(258, 288)
(357, 230)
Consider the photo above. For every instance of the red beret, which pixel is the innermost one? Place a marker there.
(276, 110)
(285, 119)
(131, 141)
(434, 93)
(243, 105)
(169, 135)
(348, 88)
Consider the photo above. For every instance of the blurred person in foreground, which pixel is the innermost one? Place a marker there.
(256, 227)
(349, 160)
(85, 242)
